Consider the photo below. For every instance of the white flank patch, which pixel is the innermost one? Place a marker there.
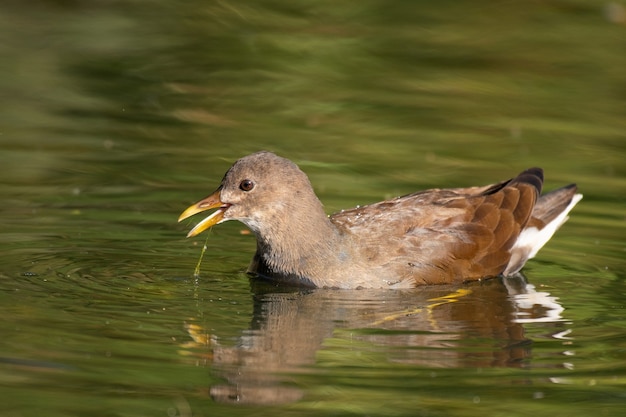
(533, 239)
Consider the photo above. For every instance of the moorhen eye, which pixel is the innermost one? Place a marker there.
(246, 185)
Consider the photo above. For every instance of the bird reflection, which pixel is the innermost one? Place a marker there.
(476, 325)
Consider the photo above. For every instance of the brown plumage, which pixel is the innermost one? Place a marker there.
(430, 237)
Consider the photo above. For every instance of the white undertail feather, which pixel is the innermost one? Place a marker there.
(532, 239)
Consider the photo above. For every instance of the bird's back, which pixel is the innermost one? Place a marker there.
(454, 235)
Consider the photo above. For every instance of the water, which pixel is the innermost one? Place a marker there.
(116, 116)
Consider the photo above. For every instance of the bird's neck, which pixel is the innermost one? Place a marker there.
(301, 249)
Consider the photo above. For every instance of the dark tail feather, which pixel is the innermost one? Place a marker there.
(532, 176)
(550, 205)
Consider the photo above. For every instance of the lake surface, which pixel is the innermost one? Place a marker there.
(115, 116)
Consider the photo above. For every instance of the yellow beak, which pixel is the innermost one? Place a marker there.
(211, 202)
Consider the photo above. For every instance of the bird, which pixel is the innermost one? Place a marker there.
(437, 236)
